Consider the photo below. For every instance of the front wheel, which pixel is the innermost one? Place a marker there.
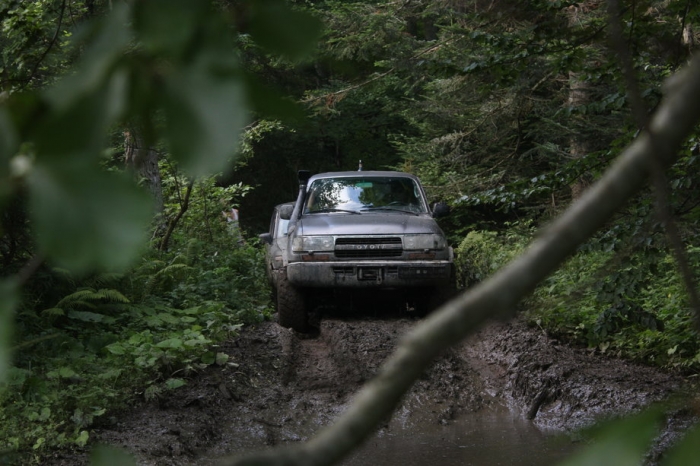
(291, 305)
(439, 296)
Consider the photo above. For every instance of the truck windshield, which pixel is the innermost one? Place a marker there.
(364, 195)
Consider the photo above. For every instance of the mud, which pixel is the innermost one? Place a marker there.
(280, 387)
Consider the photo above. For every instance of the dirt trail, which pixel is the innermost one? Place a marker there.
(282, 386)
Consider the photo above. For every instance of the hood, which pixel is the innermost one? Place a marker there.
(374, 223)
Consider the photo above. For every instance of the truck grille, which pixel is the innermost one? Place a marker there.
(368, 248)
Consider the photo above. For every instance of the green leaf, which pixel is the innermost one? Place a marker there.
(66, 372)
(168, 318)
(8, 147)
(15, 378)
(78, 127)
(283, 30)
(8, 301)
(170, 343)
(197, 342)
(172, 384)
(221, 359)
(153, 321)
(53, 312)
(98, 60)
(208, 358)
(620, 443)
(85, 217)
(45, 414)
(116, 348)
(168, 26)
(83, 438)
(206, 111)
(270, 102)
(103, 455)
(686, 451)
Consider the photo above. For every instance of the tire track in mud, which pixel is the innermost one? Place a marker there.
(281, 387)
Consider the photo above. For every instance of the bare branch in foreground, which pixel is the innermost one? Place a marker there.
(497, 297)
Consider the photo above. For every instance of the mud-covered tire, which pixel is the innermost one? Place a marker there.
(274, 279)
(439, 296)
(291, 305)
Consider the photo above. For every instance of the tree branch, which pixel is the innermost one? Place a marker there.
(496, 298)
(51, 44)
(184, 205)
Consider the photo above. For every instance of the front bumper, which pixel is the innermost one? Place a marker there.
(369, 274)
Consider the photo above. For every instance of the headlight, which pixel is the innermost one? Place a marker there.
(312, 243)
(424, 242)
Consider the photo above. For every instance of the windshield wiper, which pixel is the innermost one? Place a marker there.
(394, 209)
(332, 209)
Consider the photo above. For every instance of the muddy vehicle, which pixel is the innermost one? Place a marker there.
(359, 233)
(275, 241)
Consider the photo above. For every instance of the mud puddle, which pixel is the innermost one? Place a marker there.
(486, 401)
(490, 437)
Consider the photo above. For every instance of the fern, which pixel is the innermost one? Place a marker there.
(111, 296)
(53, 312)
(91, 299)
(183, 259)
(165, 277)
(193, 251)
(149, 267)
(64, 275)
(106, 279)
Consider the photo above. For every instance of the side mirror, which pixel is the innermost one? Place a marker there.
(265, 238)
(286, 211)
(440, 209)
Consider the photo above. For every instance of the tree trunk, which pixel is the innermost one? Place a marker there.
(579, 95)
(143, 161)
(578, 144)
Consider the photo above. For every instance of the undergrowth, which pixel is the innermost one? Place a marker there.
(623, 298)
(88, 345)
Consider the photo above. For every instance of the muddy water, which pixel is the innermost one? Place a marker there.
(283, 387)
(487, 438)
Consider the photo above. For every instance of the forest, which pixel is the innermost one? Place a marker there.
(129, 129)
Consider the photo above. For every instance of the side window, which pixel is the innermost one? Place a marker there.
(282, 228)
(273, 221)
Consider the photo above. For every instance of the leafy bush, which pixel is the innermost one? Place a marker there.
(481, 253)
(630, 303)
(91, 350)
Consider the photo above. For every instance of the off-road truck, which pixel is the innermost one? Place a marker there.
(363, 231)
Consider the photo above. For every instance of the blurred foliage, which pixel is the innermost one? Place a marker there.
(86, 344)
(90, 311)
(622, 442)
(234, 97)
